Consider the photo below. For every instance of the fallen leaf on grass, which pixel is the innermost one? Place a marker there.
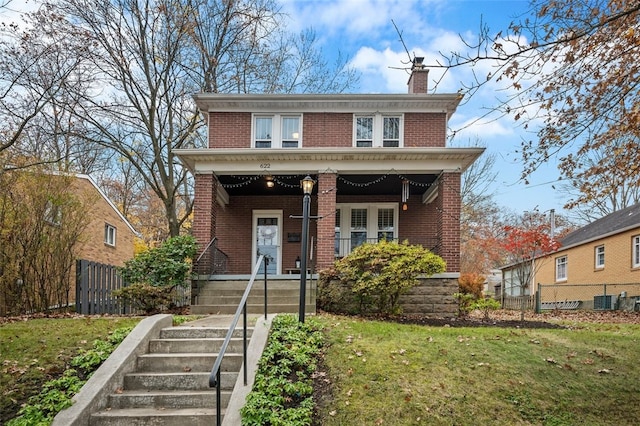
(551, 360)
(604, 371)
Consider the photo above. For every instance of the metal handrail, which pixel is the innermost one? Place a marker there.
(214, 377)
(216, 258)
(205, 250)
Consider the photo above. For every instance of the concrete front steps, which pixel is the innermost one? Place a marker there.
(283, 296)
(170, 385)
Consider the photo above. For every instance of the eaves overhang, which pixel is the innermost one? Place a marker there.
(330, 103)
(320, 160)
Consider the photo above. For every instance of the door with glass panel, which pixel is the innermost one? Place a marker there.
(268, 238)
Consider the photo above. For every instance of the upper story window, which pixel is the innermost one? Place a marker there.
(635, 261)
(378, 130)
(276, 131)
(109, 235)
(599, 257)
(561, 268)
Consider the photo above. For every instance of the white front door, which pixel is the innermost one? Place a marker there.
(267, 231)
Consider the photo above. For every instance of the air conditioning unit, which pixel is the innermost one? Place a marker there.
(605, 302)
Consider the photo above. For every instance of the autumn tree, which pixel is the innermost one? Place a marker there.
(606, 181)
(149, 57)
(480, 219)
(41, 222)
(37, 64)
(571, 75)
(526, 246)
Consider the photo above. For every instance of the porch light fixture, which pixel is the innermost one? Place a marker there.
(270, 182)
(307, 185)
(307, 188)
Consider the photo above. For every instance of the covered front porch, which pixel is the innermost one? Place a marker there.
(249, 202)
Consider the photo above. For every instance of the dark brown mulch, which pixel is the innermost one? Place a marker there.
(473, 322)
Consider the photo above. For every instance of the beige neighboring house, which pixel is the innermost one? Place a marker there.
(109, 237)
(604, 252)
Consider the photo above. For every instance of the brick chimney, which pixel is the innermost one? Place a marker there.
(419, 76)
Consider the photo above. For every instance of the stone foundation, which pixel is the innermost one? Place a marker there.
(433, 297)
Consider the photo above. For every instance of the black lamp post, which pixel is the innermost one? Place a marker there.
(307, 187)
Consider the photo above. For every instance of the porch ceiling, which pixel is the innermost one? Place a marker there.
(369, 184)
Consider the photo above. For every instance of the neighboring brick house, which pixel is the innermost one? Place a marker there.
(606, 251)
(109, 237)
(380, 161)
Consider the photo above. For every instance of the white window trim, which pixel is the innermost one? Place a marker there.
(635, 252)
(596, 252)
(378, 129)
(276, 128)
(566, 270)
(111, 242)
(372, 220)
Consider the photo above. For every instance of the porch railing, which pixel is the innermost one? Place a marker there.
(211, 261)
(214, 377)
(344, 246)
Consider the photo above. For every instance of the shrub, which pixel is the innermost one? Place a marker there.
(471, 283)
(378, 274)
(486, 305)
(465, 303)
(152, 275)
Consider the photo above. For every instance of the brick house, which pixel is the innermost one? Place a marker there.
(109, 237)
(380, 162)
(604, 252)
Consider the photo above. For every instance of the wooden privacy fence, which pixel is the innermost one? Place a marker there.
(95, 283)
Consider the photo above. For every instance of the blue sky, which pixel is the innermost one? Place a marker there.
(364, 31)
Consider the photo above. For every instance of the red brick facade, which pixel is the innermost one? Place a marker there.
(232, 177)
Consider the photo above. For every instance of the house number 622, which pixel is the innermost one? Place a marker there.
(265, 165)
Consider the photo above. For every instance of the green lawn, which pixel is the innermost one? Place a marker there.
(384, 373)
(390, 374)
(36, 350)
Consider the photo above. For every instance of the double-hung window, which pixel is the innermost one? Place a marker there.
(276, 131)
(357, 224)
(635, 261)
(561, 268)
(378, 130)
(599, 257)
(109, 235)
